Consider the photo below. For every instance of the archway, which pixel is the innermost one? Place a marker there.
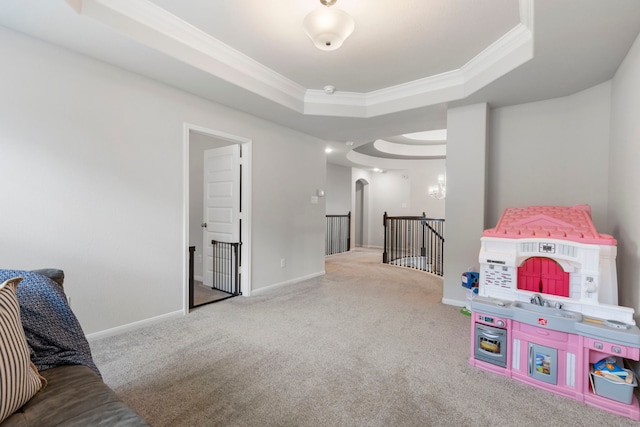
(361, 213)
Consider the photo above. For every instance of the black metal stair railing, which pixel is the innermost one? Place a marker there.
(337, 234)
(192, 250)
(414, 242)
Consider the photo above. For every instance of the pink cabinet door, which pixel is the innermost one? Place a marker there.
(543, 275)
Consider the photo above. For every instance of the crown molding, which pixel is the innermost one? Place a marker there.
(411, 150)
(152, 26)
(367, 161)
(504, 55)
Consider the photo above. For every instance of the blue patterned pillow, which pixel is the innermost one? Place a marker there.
(52, 329)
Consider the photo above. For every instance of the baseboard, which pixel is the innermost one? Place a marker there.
(368, 247)
(287, 283)
(374, 247)
(338, 253)
(198, 278)
(132, 326)
(454, 302)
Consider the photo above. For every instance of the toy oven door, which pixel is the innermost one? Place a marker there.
(491, 345)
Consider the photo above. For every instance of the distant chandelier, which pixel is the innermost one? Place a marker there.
(328, 28)
(439, 191)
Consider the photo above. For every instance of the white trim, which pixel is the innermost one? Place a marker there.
(218, 134)
(526, 13)
(570, 370)
(287, 283)
(454, 302)
(153, 26)
(515, 355)
(411, 150)
(367, 161)
(149, 24)
(135, 325)
(504, 55)
(185, 219)
(245, 248)
(338, 253)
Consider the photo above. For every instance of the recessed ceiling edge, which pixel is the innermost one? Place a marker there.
(155, 27)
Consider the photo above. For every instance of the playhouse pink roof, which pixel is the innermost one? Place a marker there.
(555, 222)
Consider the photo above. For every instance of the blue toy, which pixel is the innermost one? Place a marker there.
(470, 281)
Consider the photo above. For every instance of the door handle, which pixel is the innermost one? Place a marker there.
(203, 225)
(530, 360)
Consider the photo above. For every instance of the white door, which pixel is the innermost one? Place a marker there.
(221, 202)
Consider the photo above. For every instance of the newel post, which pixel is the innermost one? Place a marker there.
(384, 253)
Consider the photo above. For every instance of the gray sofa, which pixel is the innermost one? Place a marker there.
(75, 394)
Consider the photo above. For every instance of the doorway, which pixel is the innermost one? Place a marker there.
(197, 141)
(361, 213)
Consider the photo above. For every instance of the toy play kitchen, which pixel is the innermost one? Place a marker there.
(546, 311)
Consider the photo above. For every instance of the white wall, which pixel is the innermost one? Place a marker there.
(389, 192)
(423, 175)
(93, 179)
(466, 160)
(551, 153)
(93, 182)
(624, 177)
(338, 190)
(285, 222)
(401, 192)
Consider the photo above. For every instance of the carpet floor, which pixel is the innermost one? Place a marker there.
(366, 344)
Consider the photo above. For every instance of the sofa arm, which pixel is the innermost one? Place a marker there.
(54, 274)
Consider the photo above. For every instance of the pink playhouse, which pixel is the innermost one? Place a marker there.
(547, 309)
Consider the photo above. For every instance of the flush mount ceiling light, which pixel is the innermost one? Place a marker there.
(328, 28)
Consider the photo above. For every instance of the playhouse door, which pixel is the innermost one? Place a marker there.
(543, 275)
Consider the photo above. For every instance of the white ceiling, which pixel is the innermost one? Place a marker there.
(405, 64)
(382, 51)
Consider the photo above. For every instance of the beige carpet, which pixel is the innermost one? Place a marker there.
(365, 345)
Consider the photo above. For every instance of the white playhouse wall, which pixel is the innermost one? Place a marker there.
(593, 284)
